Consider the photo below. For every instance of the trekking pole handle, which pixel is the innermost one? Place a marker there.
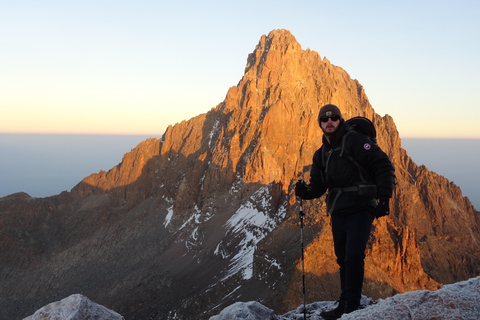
(301, 213)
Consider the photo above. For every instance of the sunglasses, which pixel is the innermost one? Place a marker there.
(334, 118)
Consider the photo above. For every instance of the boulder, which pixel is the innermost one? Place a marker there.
(245, 311)
(74, 307)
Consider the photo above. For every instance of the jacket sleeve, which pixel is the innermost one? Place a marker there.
(371, 156)
(317, 185)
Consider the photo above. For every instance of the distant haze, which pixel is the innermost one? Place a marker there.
(455, 159)
(47, 164)
(44, 165)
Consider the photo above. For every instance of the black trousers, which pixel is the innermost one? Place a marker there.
(350, 236)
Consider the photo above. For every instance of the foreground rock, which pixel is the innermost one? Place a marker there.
(74, 307)
(456, 301)
(245, 310)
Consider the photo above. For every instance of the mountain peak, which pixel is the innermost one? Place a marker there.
(280, 39)
(279, 43)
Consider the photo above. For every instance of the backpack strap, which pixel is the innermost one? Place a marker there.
(343, 141)
(361, 170)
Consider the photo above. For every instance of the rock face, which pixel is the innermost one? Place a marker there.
(75, 307)
(206, 216)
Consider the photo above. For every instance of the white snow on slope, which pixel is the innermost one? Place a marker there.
(193, 223)
(459, 301)
(168, 217)
(213, 133)
(251, 223)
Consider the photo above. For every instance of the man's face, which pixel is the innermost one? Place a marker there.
(329, 124)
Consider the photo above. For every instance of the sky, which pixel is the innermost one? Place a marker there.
(135, 67)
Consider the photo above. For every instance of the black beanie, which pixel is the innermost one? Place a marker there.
(329, 110)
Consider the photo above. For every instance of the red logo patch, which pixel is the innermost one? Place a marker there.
(367, 146)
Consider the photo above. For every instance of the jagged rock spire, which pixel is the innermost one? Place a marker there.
(270, 117)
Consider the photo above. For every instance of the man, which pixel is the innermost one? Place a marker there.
(359, 178)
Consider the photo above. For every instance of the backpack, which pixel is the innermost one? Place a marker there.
(361, 125)
(364, 126)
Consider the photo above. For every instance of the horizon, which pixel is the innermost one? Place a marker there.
(44, 165)
(135, 68)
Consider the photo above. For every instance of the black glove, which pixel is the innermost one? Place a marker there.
(301, 189)
(383, 207)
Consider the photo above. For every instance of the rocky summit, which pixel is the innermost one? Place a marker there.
(206, 216)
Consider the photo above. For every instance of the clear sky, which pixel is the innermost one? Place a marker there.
(134, 67)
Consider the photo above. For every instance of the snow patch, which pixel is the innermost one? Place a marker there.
(273, 262)
(193, 223)
(195, 217)
(168, 217)
(212, 133)
(237, 185)
(251, 223)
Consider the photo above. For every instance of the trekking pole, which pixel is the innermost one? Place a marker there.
(303, 258)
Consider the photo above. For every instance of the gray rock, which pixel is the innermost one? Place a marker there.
(74, 307)
(245, 311)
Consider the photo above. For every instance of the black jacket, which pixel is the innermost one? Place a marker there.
(355, 171)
